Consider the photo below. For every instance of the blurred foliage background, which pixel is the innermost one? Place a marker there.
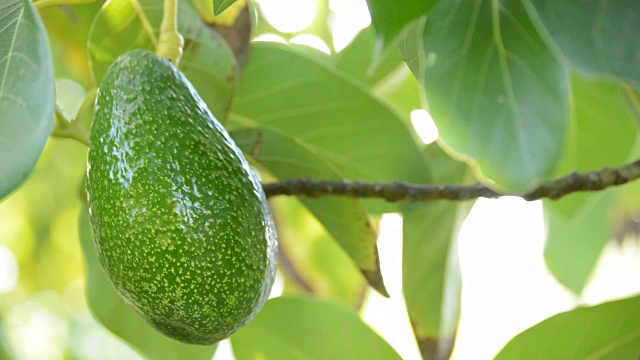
(43, 309)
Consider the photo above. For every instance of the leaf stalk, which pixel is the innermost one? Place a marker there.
(72, 128)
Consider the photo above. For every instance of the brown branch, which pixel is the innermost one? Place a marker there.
(402, 191)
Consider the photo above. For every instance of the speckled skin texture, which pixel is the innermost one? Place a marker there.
(180, 221)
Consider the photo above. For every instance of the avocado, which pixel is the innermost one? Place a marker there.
(179, 220)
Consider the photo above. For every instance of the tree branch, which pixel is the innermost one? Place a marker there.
(402, 191)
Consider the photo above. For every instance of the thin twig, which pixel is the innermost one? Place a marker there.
(402, 191)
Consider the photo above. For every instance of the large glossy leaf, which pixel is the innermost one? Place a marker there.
(305, 328)
(390, 17)
(344, 218)
(430, 268)
(602, 133)
(26, 92)
(385, 74)
(598, 37)
(108, 308)
(574, 244)
(207, 62)
(607, 331)
(311, 260)
(495, 90)
(338, 118)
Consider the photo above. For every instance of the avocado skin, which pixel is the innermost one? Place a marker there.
(180, 221)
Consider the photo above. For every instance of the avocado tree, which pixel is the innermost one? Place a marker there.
(538, 99)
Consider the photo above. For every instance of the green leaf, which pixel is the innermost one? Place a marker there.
(606, 331)
(69, 48)
(402, 91)
(26, 92)
(387, 76)
(221, 5)
(310, 259)
(116, 29)
(410, 47)
(359, 60)
(431, 274)
(305, 97)
(211, 68)
(598, 37)
(574, 245)
(344, 218)
(600, 114)
(204, 8)
(430, 268)
(207, 61)
(495, 90)
(306, 328)
(108, 308)
(390, 17)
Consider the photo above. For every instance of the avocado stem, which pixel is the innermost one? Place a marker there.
(170, 42)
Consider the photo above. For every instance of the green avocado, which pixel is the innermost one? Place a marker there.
(180, 222)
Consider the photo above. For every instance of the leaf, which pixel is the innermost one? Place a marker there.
(606, 331)
(600, 114)
(359, 60)
(402, 91)
(389, 17)
(117, 29)
(598, 37)
(310, 259)
(207, 62)
(410, 47)
(69, 48)
(574, 245)
(221, 5)
(431, 274)
(388, 76)
(210, 66)
(594, 101)
(110, 310)
(495, 90)
(26, 92)
(290, 91)
(306, 328)
(344, 218)
(219, 15)
(430, 268)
